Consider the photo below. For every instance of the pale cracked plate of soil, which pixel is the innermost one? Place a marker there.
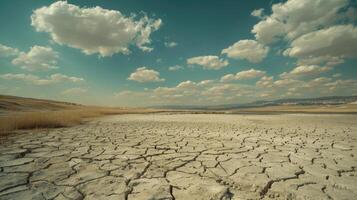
(185, 156)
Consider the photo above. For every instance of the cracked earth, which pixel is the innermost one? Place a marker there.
(185, 156)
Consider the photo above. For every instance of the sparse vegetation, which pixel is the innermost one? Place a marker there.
(59, 118)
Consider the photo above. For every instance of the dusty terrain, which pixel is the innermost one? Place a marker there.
(187, 156)
(350, 108)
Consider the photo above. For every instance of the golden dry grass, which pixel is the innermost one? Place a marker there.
(13, 103)
(54, 119)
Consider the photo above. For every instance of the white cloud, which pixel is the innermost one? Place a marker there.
(175, 68)
(38, 58)
(320, 60)
(317, 82)
(205, 82)
(144, 74)
(248, 74)
(342, 84)
(258, 13)
(208, 62)
(320, 86)
(294, 18)
(265, 82)
(335, 41)
(305, 70)
(62, 78)
(54, 78)
(228, 77)
(287, 82)
(210, 92)
(74, 91)
(94, 30)
(184, 89)
(250, 50)
(186, 85)
(6, 51)
(219, 90)
(170, 44)
(219, 93)
(268, 30)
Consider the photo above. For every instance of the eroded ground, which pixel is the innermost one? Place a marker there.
(159, 156)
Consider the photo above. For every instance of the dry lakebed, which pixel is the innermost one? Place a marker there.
(185, 156)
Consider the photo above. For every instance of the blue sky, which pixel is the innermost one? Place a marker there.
(139, 53)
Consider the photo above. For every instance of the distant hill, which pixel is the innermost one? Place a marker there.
(14, 103)
(19, 104)
(329, 100)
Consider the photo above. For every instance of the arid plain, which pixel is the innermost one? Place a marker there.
(178, 100)
(185, 156)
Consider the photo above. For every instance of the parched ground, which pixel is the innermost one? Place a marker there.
(187, 156)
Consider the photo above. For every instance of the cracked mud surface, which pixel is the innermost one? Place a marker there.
(161, 156)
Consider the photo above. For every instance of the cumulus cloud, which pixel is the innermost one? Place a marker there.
(38, 58)
(175, 68)
(214, 92)
(320, 86)
(183, 89)
(325, 86)
(317, 82)
(258, 13)
(248, 74)
(205, 82)
(74, 91)
(63, 78)
(265, 82)
(287, 82)
(54, 78)
(268, 30)
(342, 84)
(336, 41)
(250, 50)
(6, 51)
(197, 92)
(320, 60)
(294, 18)
(144, 74)
(170, 44)
(232, 93)
(305, 70)
(186, 85)
(94, 30)
(208, 62)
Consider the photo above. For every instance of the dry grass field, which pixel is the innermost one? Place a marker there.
(28, 113)
(59, 118)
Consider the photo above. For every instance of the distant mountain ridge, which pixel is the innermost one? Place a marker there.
(328, 100)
